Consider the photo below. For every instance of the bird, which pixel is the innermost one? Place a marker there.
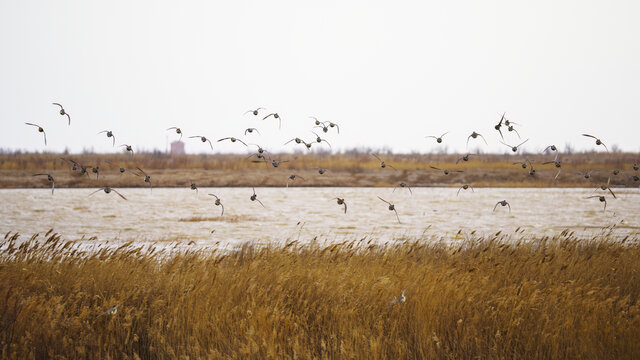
(122, 170)
(109, 135)
(403, 185)
(514, 148)
(556, 162)
(402, 298)
(586, 174)
(317, 122)
(292, 177)
(251, 130)
(382, 163)
(233, 140)
(96, 170)
(606, 187)
(635, 166)
(107, 190)
(298, 141)
(601, 198)
(438, 138)
(260, 149)
(50, 178)
(147, 178)
(254, 197)
(615, 172)
(340, 201)
(112, 311)
(219, 203)
(203, 139)
(445, 171)
(598, 142)
(40, 129)
(392, 207)
(321, 171)
(475, 135)
(77, 166)
(503, 203)
(178, 131)
(63, 112)
(511, 128)
(194, 187)
(464, 158)
(550, 147)
(499, 125)
(274, 163)
(128, 148)
(319, 139)
(332, 124)
(523, 163)
(275, 116)
(254, 112)
(465, 187)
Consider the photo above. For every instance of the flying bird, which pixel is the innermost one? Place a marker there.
(499, 125)
(502, 203)
(50, 179)
(203, 139)
(319, 139)
(40, 129)
(392, 207)
(107, 190)
(178, 131)
(340, 201)
(446, 171)
(382, 163)
(109, 135)
(601, 198)
(219, 203)
(128, 148)
(254, 197)
(403, 185)
(292, 177)
(514, 148)
(474, 135)
(275, 116)
(251, 130)
(254, 112)
(465, 187)
(193, 187)
(598, 142)
(232, 139)
(402, 298)
(147, 178)
(464, 158)
(63, 112)
(438, 138)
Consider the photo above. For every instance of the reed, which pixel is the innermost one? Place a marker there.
(484, 297)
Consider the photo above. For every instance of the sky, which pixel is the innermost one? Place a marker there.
(388, 72)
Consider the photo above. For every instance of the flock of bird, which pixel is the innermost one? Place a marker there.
(262, 156)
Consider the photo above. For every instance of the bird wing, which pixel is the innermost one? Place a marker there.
(211, 145)
(591, 136)
(58, 105)
(397, 217)
(224, 139)
(345, 207)
(69, 117)
(264, 118)
(458, 193)
(122, 196)
(45, 137)
(496, 205)
(96, 191)
(485, 140)
(522, 143)
(605, 146)
(444, 134)
(222, 206)
(384, 200)
(32, 124)
(435, 168)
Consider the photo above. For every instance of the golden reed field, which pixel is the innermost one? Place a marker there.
(345, 169)
(498, 297)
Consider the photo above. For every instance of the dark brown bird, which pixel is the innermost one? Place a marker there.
(50, 178)
(601, 198)
(499, 125)
(254, 197)
(232, 139)
(219, 203)
(503, 203)
(465, 187)
(598, 142)
(275, 116)
(147, 178)
(251, 130)
(391, 207)
(254, 112)
(292, 177)
(40, 129)
(464, 158)
(203, 139)
(63, 113)
(107, 190)
(514, 148)
(128, 148)
(446, 171)
(403, 185)
(382, 163)
(474, 135)
(319, 139)
(178, 131)
(341, 202)
(438, 138)
(109, 135)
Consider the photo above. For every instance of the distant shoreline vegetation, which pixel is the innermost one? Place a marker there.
(356, 168)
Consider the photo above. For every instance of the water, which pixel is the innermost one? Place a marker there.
(177, 215)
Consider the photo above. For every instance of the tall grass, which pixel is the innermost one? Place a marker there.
(552, 297)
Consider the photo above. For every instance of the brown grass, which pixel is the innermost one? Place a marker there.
(346, 169)
(551, 298)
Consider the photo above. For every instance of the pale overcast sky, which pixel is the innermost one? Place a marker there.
(388, 72)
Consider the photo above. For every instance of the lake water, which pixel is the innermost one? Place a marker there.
(177, 215)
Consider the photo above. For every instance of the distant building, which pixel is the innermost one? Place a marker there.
(177, 147)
